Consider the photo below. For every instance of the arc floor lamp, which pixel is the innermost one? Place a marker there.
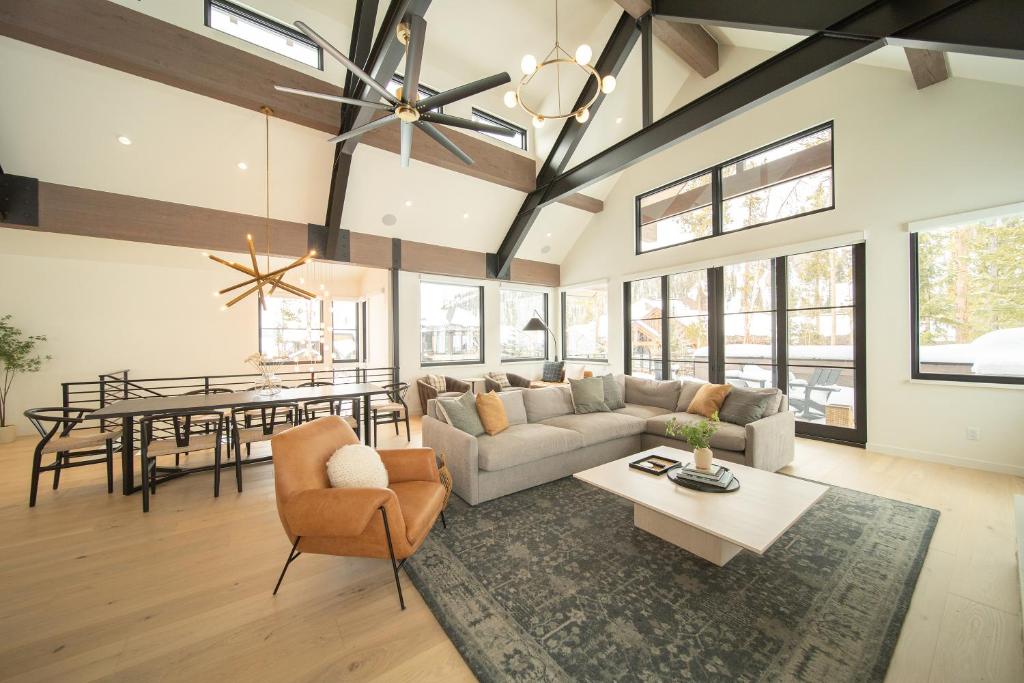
(535, 324)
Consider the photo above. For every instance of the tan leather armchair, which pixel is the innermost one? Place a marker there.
(387, 523)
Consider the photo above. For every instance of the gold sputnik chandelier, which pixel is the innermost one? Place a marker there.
(555, 59)
(269, 278)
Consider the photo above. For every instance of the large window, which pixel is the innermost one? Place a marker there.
(516, 135)
(517, 307)
(783, 180)
(291, 330)
(257, 29)
(345, 326)
(423, 91)
(451, 323)
(793, 322)
(968, 287)
(585, 323)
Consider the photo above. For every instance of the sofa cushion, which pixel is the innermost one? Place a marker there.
(686, 393)
(554, 371)
(645, 412)
(501, 378)
(461, 413)
(492, 413)
(612, 392)
(436, 381)
(515, 409)
(521, 444)
(547, 402)
(587, 395)
(775, 403)
(600, 427)
(728, 437)
(743, 406)
(709, 399)
(652, 392)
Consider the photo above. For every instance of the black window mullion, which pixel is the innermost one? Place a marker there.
(665, 353)
(860, 365)
(716, 200)
(627, 308)
(781, 342)
(716, 325)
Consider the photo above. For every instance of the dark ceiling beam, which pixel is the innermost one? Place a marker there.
(613, 57)
(928, 67)
(646, 70)
(802, 17)
(689, 42)
(991, 28)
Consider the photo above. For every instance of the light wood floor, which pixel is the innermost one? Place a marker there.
(90, 588)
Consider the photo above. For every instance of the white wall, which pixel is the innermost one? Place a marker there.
(409, 334)
(107, 305)
(901, 155)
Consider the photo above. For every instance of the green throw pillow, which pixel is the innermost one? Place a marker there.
(588, 395)
(612, 393)
(743, 406)
(461, 413)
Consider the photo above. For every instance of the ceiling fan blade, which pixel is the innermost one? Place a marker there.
(406, 143)
(376, 123)
(459, 122)
(443, 140)
(414, 57)
(348, 63)
(334, 98)
(463, 91)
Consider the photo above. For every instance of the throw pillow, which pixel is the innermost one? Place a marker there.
(460, 412)
(612, 393)
(492, 412)
(436, 382)
(553, 372)
(356, 467)
(743, 406)
(501, 378)
(588, 395)
(708, 399)
(515, 407)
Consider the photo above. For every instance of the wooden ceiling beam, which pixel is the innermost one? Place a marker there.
(927, 66)
(689, 42)
(117, 37)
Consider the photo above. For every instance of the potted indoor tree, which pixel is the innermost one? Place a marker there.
(698, 436)
(17, 355)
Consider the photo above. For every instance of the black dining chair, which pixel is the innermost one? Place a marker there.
(253, 425)
(209, 419)
(393, 410)
(63, 435)
(330, 406)
(177, 432)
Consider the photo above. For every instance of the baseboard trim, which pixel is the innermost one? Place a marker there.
(926, 456)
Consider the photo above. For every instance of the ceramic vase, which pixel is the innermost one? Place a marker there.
(702, 458)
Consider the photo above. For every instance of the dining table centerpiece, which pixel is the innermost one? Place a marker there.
(268, 384)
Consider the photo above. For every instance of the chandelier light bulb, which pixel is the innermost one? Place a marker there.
(583, 116)
(511, 100)
(538, 121)
(528, 65)
(583, 54)
(608, 84)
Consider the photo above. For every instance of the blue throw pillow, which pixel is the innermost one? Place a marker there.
(553, 371)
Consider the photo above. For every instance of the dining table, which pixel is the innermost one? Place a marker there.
(127, 410)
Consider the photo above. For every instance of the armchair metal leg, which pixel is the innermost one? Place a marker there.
(444, 522)
(395, 566)
(292, 555)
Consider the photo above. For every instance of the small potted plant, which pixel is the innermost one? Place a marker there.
(17, 355)
(698, 436)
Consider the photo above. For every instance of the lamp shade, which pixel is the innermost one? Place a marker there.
(535, 324)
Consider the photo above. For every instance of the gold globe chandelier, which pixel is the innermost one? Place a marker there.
(555, 59)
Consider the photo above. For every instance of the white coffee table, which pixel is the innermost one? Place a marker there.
(714, 526)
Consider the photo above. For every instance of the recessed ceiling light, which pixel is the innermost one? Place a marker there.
(465, 215)
(124, 139)
(549, 234)
(243, 166)
(618, 120)
(545, 249)
(388, 219)
(408, 202)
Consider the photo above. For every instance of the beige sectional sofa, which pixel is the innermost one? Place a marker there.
(545, 440)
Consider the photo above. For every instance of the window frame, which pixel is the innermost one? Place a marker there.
(320, 343)
(915, 334)
(360, 330)
(266, 22)
(498, 121)
(483, 327)
(717, 199)
(547, 337)
(422, 88)
(565, 327)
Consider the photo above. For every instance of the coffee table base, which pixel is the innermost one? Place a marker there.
(700, 543)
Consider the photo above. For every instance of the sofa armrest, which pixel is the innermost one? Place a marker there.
(518, 381)
(770, 441)
(410, 464)
(456, 385)
(460, 451)
(491, 385)
(425, 392)
(335, 512)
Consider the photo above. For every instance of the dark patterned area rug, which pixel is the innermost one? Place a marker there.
(555, 584)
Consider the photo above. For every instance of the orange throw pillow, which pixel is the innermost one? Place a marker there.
(492, 413)
(709, 399)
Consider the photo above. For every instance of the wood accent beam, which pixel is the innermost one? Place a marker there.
(108, 34)
(690, 42)
(67, 210)
(927, 66)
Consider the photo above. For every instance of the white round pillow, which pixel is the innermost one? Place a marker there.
(356, 466)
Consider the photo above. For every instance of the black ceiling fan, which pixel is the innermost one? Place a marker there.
(407, 108)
